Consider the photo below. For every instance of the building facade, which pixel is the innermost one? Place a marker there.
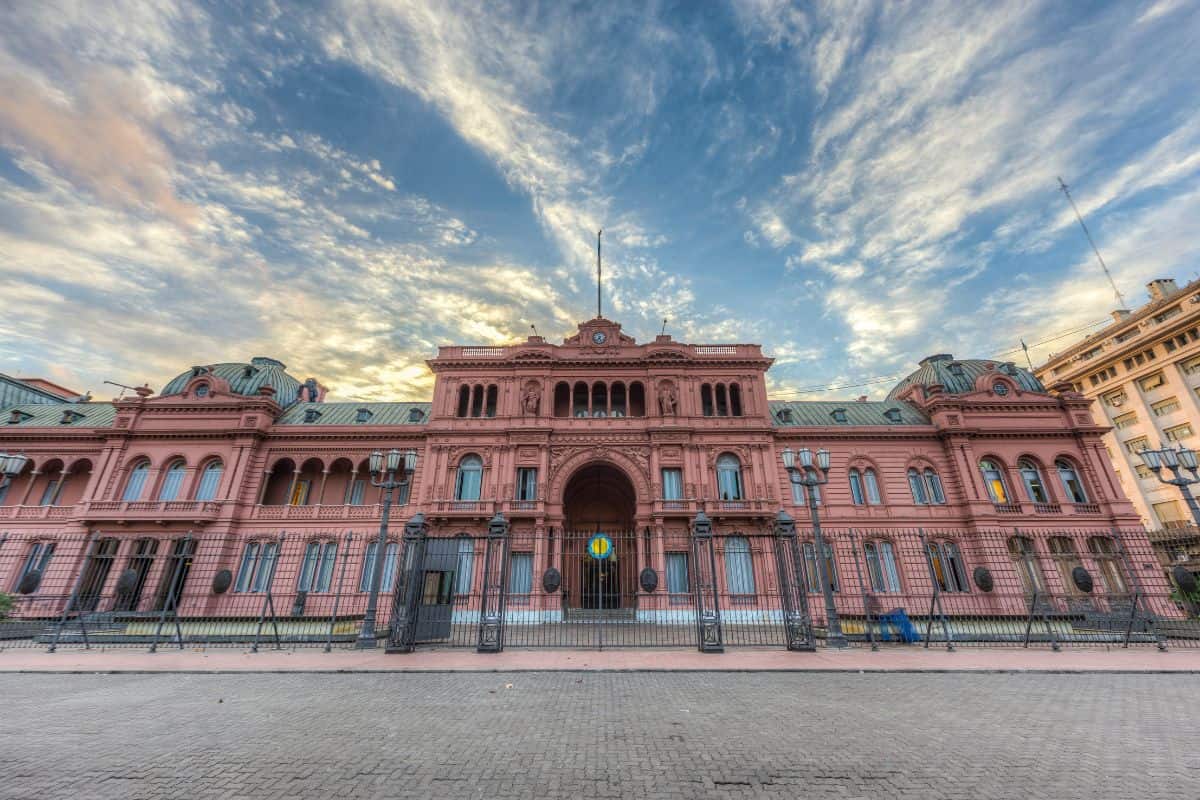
(1143, 372)
(597, 435)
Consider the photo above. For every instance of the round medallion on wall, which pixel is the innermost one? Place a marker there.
(551, 580)
(1184, 579)
(599, 337)
(983, 579)
(648, 580)
(30, 583)
(1082, 580)
(222, 581)
(127, 582)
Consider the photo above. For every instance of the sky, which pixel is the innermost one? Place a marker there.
(347, 185)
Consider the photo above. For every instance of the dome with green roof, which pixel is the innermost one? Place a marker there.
(958, 376)
(244, 379)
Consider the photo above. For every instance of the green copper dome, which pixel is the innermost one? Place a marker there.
(244, 379)
(958, 376)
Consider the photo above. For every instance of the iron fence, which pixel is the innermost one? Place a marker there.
(580, 589)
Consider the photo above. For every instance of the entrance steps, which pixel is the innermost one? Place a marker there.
(600, 614)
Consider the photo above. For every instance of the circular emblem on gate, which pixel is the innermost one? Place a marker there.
(600, 547)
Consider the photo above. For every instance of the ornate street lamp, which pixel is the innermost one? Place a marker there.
(10, 467)
(1176, 461)
(803, 474)
(389, 471)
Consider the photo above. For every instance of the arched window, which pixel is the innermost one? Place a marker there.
(257, 567)
(1105, 553)
(881, 566)
(579, 400)
(1070, 481)
(1031, 476)
(706, 400)
(464, 400)
(477, 400)
(489, 407)
(871, 484)
(599, 399)
(637, 399)
(619, 402)
(800, 491)
(466, 564)
(1020, 549)
(735, 400)
(172, 481)
(388, 580)
(562, 399)
(137, 481)
(917, 487)
(828, 567)
(993, 478)
(739, 566)
(316, 572)
(722, 400)
(1067, 559)
(934, 484)
(856, 488)
(729, 477)
(210, 480)
(948, 568)
(469, 483)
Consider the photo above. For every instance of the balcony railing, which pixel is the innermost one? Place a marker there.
(756, 506)
(1087, 508)
(1047, 508)
(371, 511)
(138, 510)
(37, 512)
(464, 507)
(1007, 508)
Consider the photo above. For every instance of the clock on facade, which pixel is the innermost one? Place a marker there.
(599, 337)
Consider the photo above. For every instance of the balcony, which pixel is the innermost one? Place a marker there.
(1047, 508)
(738, 508)
(1007, 508)
(1087, 508)
(463, 508)
(524, 508)
(120, 511)
(37, 512)
(372, 511)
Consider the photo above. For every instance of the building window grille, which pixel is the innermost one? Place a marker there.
(257, 567)
(390, 556)
(948, 567)
(810, 564)
(316, 571)
(1105, 553)
(881, 567)
(739, 566)
(37, 560)
(1020, 549)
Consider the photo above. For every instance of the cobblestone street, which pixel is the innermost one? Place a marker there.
(606, 735)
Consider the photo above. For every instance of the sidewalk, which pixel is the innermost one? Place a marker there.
(736, 660)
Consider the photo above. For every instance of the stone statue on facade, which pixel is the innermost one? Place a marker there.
(666, 400)
(531, 400)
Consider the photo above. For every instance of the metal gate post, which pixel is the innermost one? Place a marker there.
(797, 623)
(495, 592)
(73, 598)
(406, 604)
(935, 602)
(709, 637)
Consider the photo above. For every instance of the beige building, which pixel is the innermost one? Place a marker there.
(1143, 370)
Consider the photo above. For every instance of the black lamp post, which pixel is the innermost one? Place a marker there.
(804, 475)
(1176, 461)
(389, 471)
(10, 467)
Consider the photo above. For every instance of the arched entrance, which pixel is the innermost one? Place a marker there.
(599, 499)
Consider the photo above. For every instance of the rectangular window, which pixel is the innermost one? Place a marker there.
(37, 560)
(1178, 432)
(881, 567)
(466, 565)
(1164, 407)
(672, 483)
(526, 483)
(1166, 315)
(257, 567)
(1125, 420)
(520, 574)
(1142, 471)
(1115, 399)
(354, 495)
(1137, 445)
(1170, 345)
(810, 566)
(1171, 514)
(387, 581)
(739, 566)
(872, 486)
(677, 574)
(210, 481)
(1151, 382)
(1190, 366)
(316, 571)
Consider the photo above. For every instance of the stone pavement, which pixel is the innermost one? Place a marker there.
(1012, 659)
(599, 735)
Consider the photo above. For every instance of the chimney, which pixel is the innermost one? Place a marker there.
(1120, 314)
(1161, 289)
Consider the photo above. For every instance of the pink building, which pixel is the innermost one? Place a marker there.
(970, 495)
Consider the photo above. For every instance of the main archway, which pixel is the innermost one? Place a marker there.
(599, 543)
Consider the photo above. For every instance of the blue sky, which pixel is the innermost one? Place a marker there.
(347, 185)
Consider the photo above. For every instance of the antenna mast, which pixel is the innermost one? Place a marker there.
(1096, 250)
(599, 274)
